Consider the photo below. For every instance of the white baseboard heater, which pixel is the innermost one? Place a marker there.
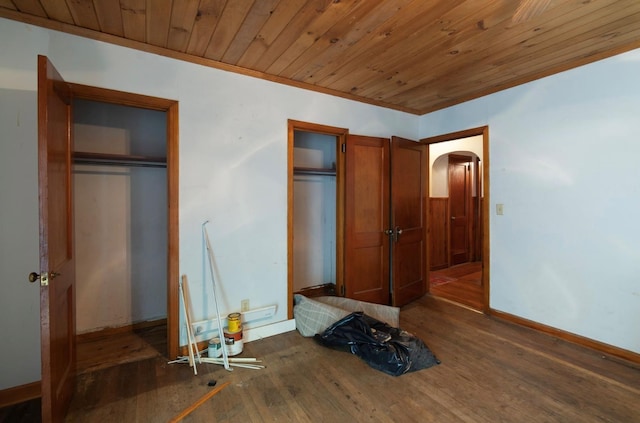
(207, 329)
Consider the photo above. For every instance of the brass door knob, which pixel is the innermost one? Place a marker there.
(33, 276)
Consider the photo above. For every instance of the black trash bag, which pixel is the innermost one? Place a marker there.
(385, 348)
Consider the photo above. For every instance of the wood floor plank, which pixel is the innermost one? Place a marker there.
(553, 384)
(464, 286)
(565, 352)
(491, 371)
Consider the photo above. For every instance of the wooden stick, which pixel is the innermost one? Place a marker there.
(240, 359)
(198, 403)
(186, 319)
(187, 307)
(251, 361)
(225, 355)
(233, 364)
(244, 366)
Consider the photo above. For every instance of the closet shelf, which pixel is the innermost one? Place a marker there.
(314, 171)
(118, 160)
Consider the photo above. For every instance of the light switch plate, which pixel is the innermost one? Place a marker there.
(244, 305)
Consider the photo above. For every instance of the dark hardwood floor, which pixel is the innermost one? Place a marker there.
(461, 284)
(99, 350)
(491, 371)
(25, 412)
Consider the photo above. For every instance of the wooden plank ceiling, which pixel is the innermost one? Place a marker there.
(411, 55)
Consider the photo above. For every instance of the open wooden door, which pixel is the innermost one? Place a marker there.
(57, 266)
(385, 224)
(459, 209)
(409, 189)
(366, 266)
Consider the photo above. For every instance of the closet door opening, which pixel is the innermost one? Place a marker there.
(121, 230)
(459, 217)
(314, 213)
(315, 210)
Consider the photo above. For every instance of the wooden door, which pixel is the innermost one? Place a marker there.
(409, 189)
(57, 267)
(367, 219)
(459, 209)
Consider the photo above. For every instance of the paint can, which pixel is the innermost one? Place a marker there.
(234, 324)
(233, 341)
(215, 348)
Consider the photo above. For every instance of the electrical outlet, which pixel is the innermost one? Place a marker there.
(244, 305)
(499, 209)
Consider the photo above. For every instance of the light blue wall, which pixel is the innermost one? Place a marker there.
(233, 161)
(19, 299)
(563, 157)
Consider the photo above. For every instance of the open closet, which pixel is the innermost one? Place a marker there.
(120, 215)
(315, 240)
(359, 202)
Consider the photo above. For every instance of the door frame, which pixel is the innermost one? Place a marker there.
(341, 138)
(170, 107)
(484, 131)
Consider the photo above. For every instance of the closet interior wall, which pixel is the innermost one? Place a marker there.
(314, 210)
(120, 215)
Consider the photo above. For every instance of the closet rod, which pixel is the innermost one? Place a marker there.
(119, 163)
(118, 160)
(313, 171)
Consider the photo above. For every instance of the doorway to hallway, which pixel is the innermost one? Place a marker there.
(458, 218)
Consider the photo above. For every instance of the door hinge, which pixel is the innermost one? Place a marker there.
(44, 279)
(342, 290)
(343, 148)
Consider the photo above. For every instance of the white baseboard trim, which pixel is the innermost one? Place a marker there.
(255, 334)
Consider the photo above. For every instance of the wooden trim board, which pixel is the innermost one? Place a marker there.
(19, 394)
(568, 336)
